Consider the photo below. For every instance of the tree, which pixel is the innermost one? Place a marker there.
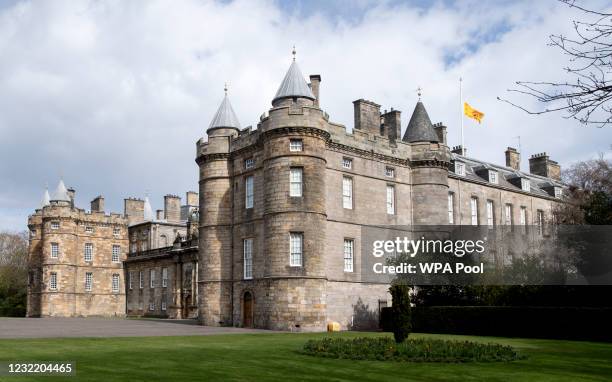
(13, 273)
(587, 95)
(401, 312)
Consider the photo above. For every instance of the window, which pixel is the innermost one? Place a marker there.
(525, 185)
(347, 192)
(390, 172)
(295, 145)
(53, 281)
(115, 283)
(116, 251)
(349, 245)
(89, 229)
(508, 214)
(116, 231)
(493, 177)
(88, 281)
(474, 209)
(152, 278)
(347, 163)
(451, 208)
(130, 278)
(140, 280)
(540, 220)
(295, 181)
(164, 277)
(248, 190)
(295, 247)
(558, 192)
(490, 209)
(249, 163)
(460, 168)
(55, 225)
(163, 304)
(523, 216)
(54, 250)
(151, 306)
(248, 259)
(88, 253)
(390, 200)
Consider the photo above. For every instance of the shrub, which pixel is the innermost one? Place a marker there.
(400, 310)
(415, 350)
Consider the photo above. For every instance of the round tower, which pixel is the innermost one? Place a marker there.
(215, 225)
(294, 138)
(429, 162)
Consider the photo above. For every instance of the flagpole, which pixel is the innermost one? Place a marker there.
(461, 115)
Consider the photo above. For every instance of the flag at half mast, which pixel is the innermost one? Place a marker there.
(472, 113)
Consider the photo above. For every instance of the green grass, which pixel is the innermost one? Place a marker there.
(273, 357)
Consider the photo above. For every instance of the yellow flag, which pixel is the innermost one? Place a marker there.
(472, 113)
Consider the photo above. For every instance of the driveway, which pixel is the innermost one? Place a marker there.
(109, 327)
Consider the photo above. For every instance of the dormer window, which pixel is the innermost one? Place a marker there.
(249, 163)
(558, 192)
(295, 145)
(390, 172)
(347, 163)
(525, 185)
(493, 177)
(460, 168)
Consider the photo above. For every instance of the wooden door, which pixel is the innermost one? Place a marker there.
(247, 310)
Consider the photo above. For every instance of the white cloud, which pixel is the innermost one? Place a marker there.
(114, 94)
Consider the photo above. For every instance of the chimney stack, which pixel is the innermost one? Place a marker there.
(97, 204)
(159, 215)
(457, 150)
(172, 208)
(440, 132)
(191, 198)
(133, 209)
(71, 194)
(315, 85)
(367, 116)
(540, 164)
(393, 124)
(513, 158)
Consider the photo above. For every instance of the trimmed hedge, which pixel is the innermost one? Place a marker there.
(574, 323)
(414, 350)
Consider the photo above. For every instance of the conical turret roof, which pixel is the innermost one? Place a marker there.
(420, 128)
(225, 116)
(293, 85)
(148, 211)
(61, 193)
(46, 199)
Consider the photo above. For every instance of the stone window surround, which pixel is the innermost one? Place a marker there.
(115, 283)
(53, 285)
(389, 172)
(247, 257)
(349, 249)
(116, 253)
(347, 163)
(347, 192)
(474, 210)
(296, 144)
(249, 192)
(490, 213)
(296, 248)
(451, 207)
(54, 250)
(55, 225)
(391, 199)
(293, 181)
(88, 281)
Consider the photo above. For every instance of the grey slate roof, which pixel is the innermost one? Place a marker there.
(420, 128)
(293, 85)
(46, 199)
(61, 193)
(225, 116)
(148, 211)
(537, 183)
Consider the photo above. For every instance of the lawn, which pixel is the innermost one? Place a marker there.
(274, 357)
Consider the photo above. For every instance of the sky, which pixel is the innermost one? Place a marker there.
(112, 95)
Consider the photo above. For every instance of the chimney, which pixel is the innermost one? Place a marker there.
(97, 204)
(457, 150)
(367, 116)
(172, 208)
(315, 85)
(191, 198)
(159, 215)
(393, 124)
(440, 132)
(513, 158)
(133, 209)
(540, 164)
(71, 194)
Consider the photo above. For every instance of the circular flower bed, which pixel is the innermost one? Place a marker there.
(414, 350)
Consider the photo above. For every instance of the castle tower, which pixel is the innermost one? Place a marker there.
(429, 161)
(215, 232)
(75, 259)
(293, 296)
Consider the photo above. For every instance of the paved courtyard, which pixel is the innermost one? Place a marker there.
(108, 327)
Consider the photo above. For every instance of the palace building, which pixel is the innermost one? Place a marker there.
(273, 240)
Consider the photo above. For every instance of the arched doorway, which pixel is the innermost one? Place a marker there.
(247, 310)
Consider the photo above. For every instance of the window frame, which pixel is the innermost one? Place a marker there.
(54, 250)
(292, 237)
(349, 257)
(493, 177)
(508, 218)
(116, 256)
(296, 145)
(347, 192)
(247, 258)
(347, 163)
(249, 192)
(152, 278)
(88, 281)
(490, 213)
(390, 200)
(292, 171)
(55, 225)
(89, 229)
(88, 254)
(130, 279)
(164, 277)
(389, 172)
(140, 279)
(451, 207)
(53, 284)
(249, 163)
(474, 220)
(115, 285)
(459, 168)
(525, 185)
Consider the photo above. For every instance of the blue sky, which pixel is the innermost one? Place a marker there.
(113, 95)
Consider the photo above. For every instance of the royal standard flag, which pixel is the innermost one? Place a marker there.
(472, 113)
